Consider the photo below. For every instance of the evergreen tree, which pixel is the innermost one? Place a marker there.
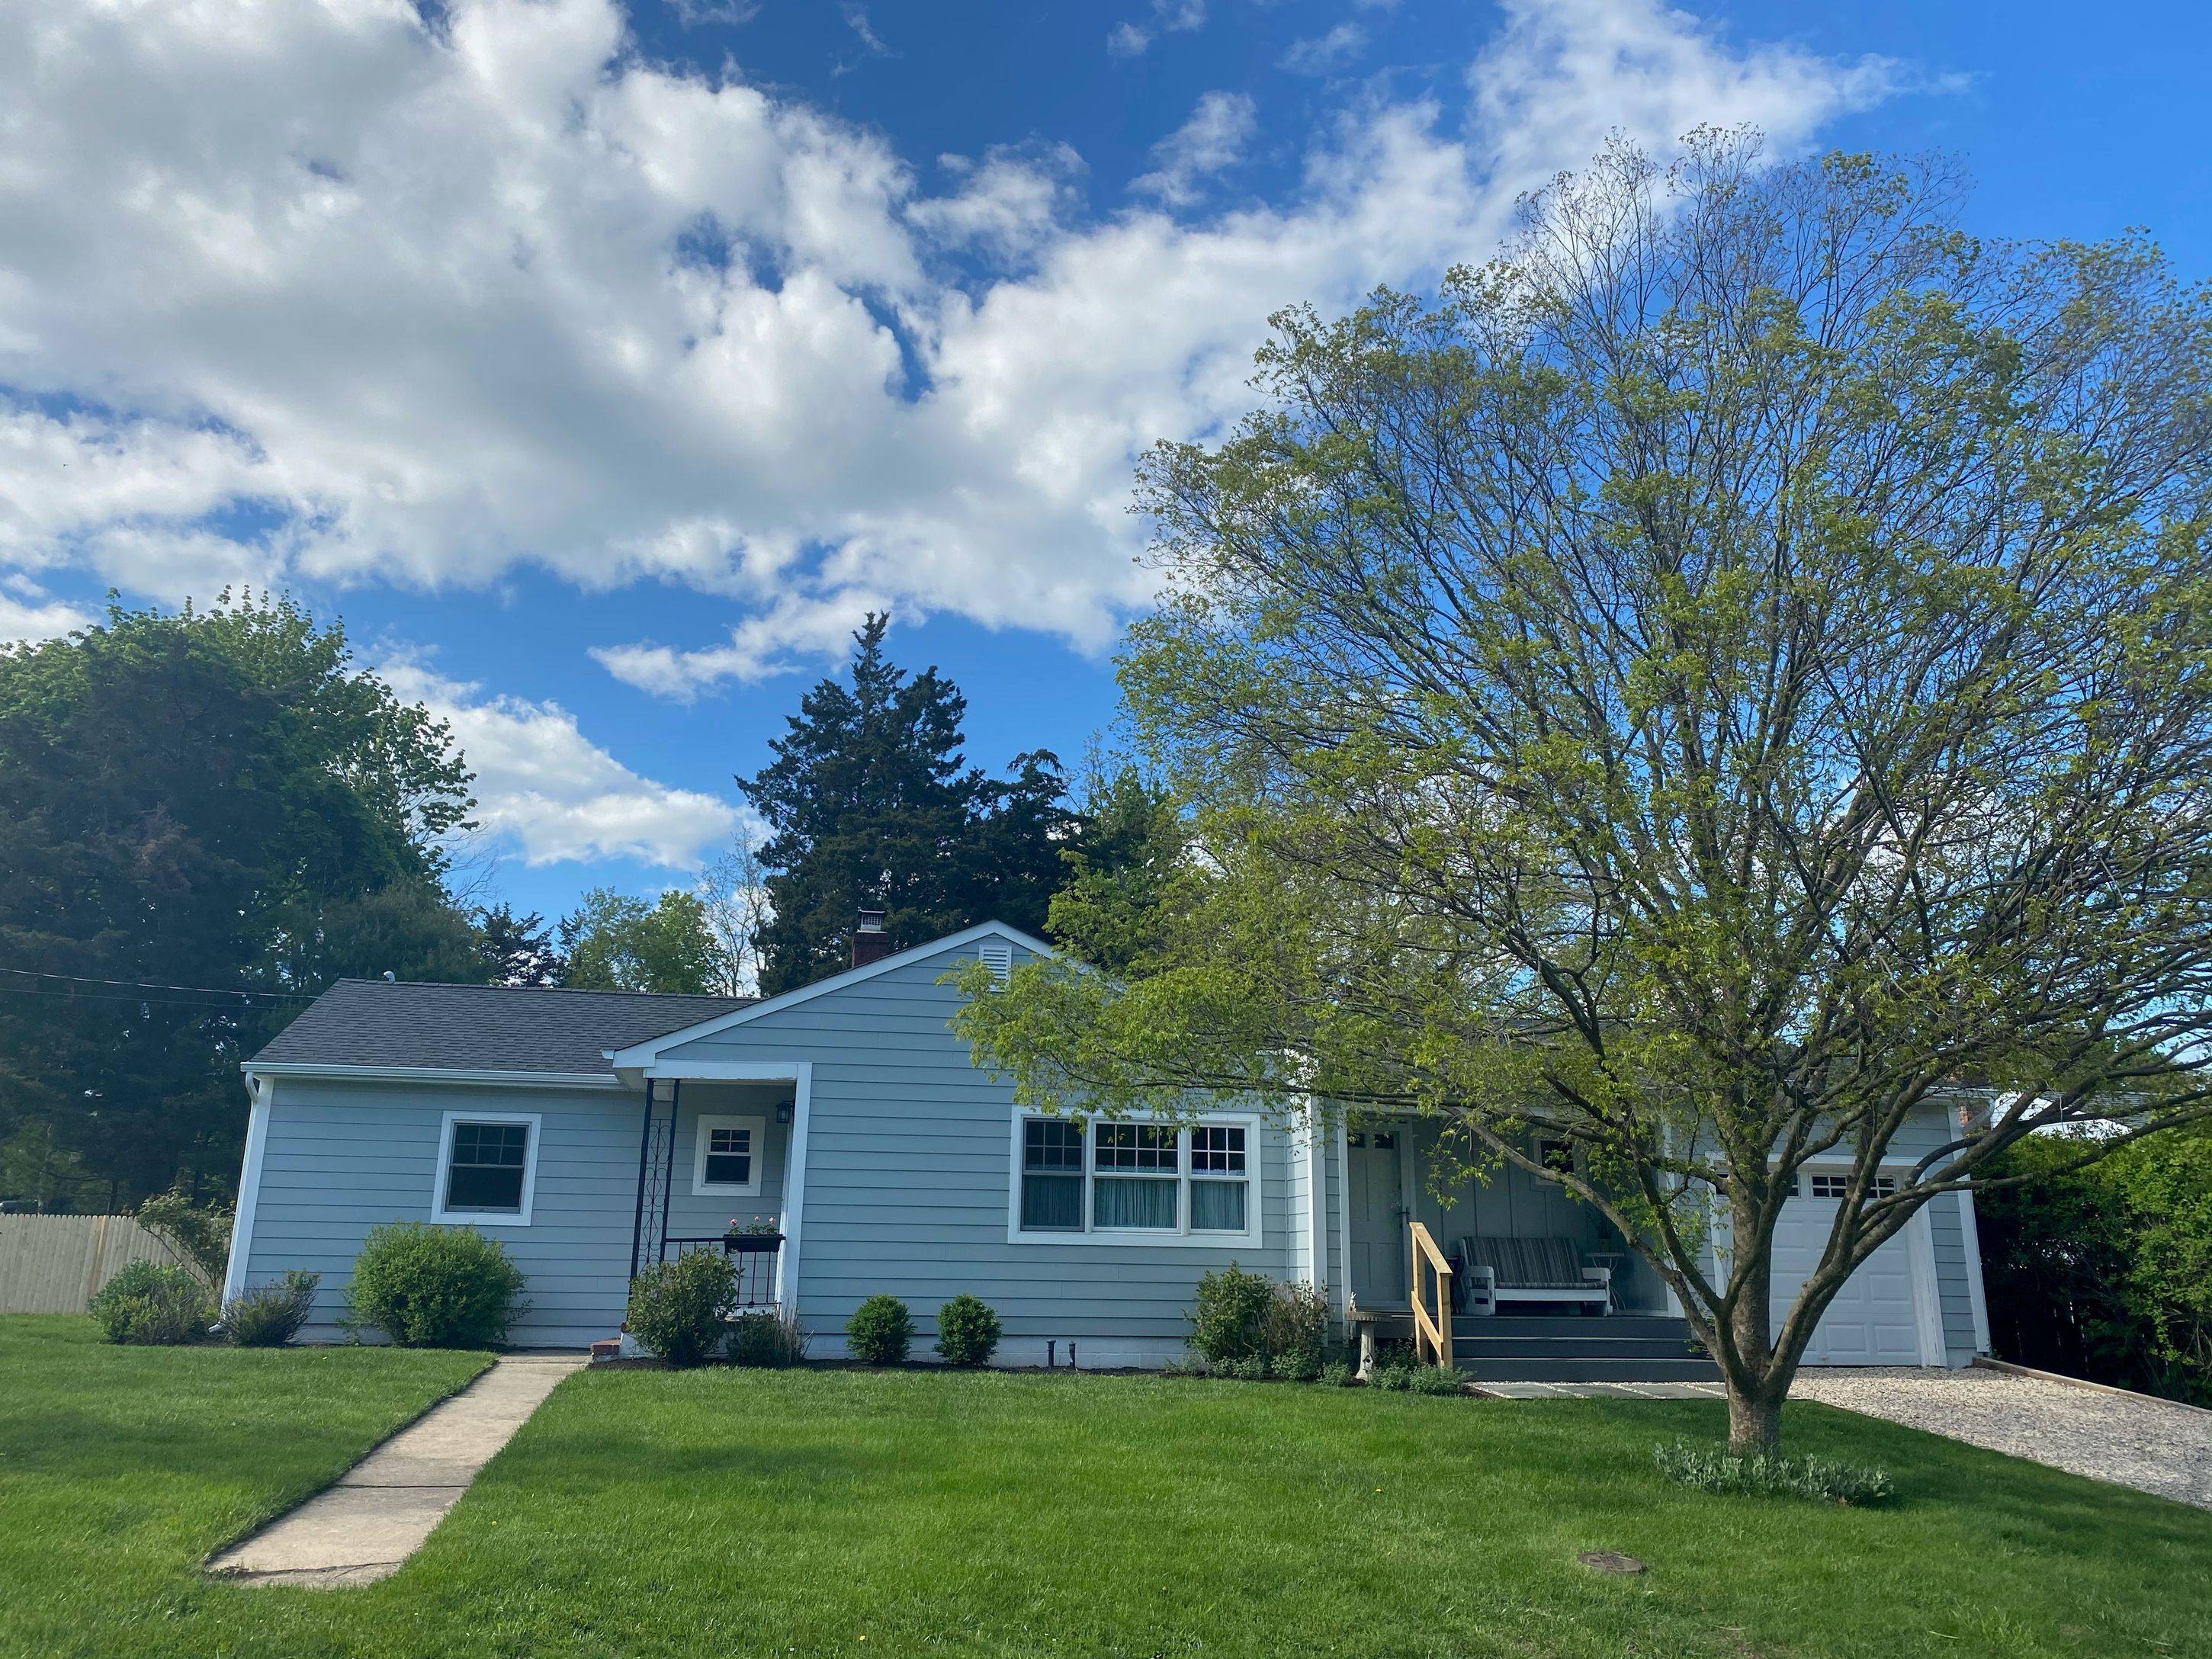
(871, 804)
(519, 950)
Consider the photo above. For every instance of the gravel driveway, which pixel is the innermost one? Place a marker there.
(2149, 1444)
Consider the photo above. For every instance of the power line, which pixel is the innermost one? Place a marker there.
(155, 985)
(124, 996)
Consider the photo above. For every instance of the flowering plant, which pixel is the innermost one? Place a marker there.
(754, 1224)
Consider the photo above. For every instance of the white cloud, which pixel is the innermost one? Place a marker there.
(551, 794)
(1212, 140)
(1168, 17)
(423, 305)
(29, 614)
(1322, 54)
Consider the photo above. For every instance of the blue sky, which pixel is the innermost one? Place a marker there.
(601, 366)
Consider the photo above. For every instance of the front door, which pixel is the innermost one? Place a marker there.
(1378, 1221)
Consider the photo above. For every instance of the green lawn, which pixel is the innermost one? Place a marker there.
(832, 1511)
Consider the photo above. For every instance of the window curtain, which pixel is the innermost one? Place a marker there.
(1123, 1202)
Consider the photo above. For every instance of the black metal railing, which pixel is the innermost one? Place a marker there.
(753, 1254)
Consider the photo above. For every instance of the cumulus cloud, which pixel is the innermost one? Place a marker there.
(420, 303)
(1212, 141)
(548, 791)
(1167, 17)
(29, 614)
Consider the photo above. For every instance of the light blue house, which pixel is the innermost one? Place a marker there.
(591, 1131)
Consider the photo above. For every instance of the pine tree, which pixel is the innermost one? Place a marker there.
(871, 804)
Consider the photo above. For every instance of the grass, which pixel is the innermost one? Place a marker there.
(907, 1512)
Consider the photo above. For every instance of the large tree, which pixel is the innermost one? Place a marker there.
(1727, 676)
(204, 817)
(616, 942)
(871, 803)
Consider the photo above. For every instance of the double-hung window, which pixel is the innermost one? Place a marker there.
(727, 1157)
(487, 1167)
(1134, 1183)
(1052, 1176)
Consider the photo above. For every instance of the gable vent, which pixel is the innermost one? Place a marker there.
(999, 956)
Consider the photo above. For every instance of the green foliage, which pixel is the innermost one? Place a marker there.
(1399, 1374)
(435, 1287)
(871, 804)
(147, 1305)
(967, 1331)
(213, 798)
(269, 1315)
(2105, 1271)
(1689, 688)
(766, 1339)
(614, 942)
(200, 1233)
(1297, 1331)
(1706, 1465)
(1231, 1320)
(519, 950)
(676, 1308)
(881, 1331)
(1337, 1374)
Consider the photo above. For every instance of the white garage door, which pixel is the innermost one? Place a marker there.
(1872, 1321)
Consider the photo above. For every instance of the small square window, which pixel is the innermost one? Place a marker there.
(1217, 1149)
(728, 1156)
(487, 1170)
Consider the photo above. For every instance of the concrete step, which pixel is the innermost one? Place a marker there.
(1567, 1369)
(1578, 1346)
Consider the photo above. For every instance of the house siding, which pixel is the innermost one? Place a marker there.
(908, 1171)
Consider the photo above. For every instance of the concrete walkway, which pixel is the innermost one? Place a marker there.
(1600, 1390)
(380, 1510)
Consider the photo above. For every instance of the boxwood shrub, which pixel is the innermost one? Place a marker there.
(676, 1308)
(435, 1287)
(881, 1331)
(967, 1331)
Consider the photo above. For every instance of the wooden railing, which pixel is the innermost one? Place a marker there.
(1433, 1337)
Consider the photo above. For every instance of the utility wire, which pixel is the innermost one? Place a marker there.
(155, 985)
(123, 996)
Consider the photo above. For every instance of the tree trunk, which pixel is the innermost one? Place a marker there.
(1754, 1419)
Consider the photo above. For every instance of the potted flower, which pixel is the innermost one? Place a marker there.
(751, 1235)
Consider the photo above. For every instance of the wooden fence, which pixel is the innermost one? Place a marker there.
(53, 1263)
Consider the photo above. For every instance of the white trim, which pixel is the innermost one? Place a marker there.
(726, 1071)
(795, 1186)
(1344, 1216)
(1970, 1234)
(434, 1074)
(1927, 1292)
(1182, 1236)
(645, 1053)
(708, 1123)
(481, 1218)
(249, 1185)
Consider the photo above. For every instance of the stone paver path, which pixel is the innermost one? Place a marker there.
(380, 1510)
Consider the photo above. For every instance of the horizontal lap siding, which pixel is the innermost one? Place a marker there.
(343, 1158)
(1956, 1299)
(908, 1172)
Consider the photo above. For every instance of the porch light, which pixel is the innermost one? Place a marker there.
(783, 1110)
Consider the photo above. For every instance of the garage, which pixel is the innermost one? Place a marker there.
(1876, 1318)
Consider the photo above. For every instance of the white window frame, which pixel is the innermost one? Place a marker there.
(1180, 1236)
(440, 1213)
(710, 1121)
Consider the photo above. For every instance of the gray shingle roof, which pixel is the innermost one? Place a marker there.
(491, 1028)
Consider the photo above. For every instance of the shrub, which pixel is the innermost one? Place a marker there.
(967, 1331)
(1297, 1331)
(148, 1305)
(879, 1331)
(1337, 1374)
(1251, 1368)
(198, 1233)
(766, 1339)
(269, 1315)
(676, 1308)
(435, 1287)
(1713, 1467)
(1404, 1377)
(1231, 1320)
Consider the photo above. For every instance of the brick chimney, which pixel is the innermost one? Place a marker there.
(870, 942)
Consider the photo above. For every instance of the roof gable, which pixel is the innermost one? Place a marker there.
(646, 1052)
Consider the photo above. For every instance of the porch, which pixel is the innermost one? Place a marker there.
(714, 1159)
(1507, 1277)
